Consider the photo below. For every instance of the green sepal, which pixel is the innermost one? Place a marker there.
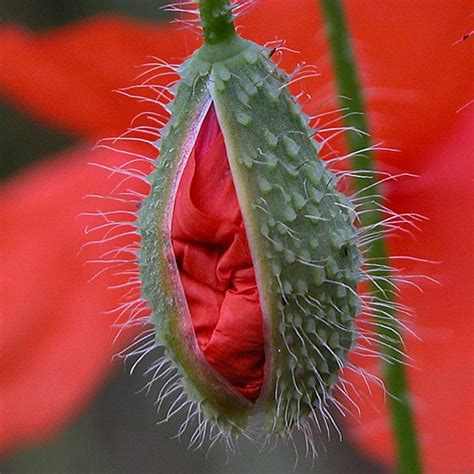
(300, 231)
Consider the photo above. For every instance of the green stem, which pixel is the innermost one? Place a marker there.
(216, 19)
(352, 101)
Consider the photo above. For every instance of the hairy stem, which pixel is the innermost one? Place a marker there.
(216, 19)
(352, 101)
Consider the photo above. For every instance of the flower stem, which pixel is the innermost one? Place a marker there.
(352, 101)
(216, 18)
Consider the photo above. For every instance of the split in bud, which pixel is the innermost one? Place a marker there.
(215, 265)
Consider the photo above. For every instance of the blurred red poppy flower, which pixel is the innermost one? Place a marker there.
(414, 79)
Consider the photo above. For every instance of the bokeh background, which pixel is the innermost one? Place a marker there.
(118, 433)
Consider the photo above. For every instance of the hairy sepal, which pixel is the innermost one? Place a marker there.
(161, 284)
(300, 232)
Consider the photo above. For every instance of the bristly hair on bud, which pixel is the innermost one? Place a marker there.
(249, 257)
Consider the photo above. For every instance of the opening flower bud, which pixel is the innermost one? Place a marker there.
(249, 255)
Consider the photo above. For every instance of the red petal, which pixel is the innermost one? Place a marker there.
(215, 264)
(55, 345)
(69, 77)
(442, 384)
(414, 78)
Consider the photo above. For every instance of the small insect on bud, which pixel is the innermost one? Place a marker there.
(249, 257)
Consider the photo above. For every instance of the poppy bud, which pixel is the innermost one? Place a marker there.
(249, 257)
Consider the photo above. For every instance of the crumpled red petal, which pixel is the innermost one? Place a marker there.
(215, 264)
